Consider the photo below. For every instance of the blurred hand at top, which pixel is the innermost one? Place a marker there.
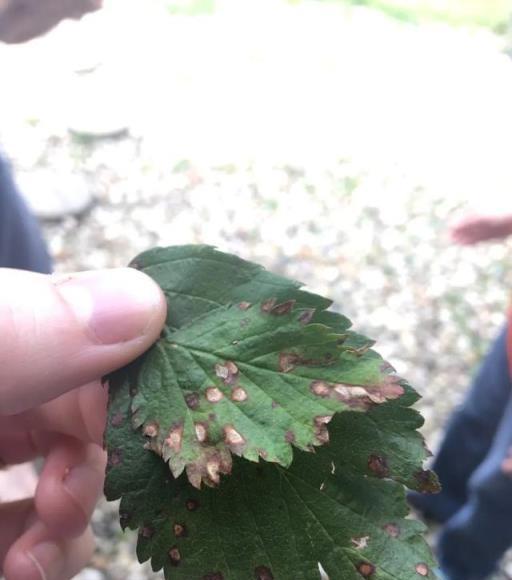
(475, 229)
(22, 20)
(59, 335)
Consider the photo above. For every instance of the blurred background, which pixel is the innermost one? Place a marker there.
(331, 141)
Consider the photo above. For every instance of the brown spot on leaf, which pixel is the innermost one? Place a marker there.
(321, 432)
(283, 308)
(320, 388)
(174, 556)
(365, 569)
(323, 419)
(359, 397)
(146, 532)
(354, 396)
(212, 469)
(207, 468)
(288, 361)
(389, 390)
(322, 436)
(201, 432)
(213, 576)
(192, 505)
(244, 305)
(422, 569)
(115, 457)
(228, 372)
(427, 481)
(239, 395)
(192, 400)
(151, 429)
(232, 368)
(233, 439)
(289, 436)
(117, 420)
(360, 543)
(222, 371)
(263, 573)
(378, 465)
(180, 530)
(392, 529)
(175, 438)
(268, 304)
(214, 395)
(306, 316)
(262, 453)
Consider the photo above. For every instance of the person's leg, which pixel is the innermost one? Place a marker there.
(21, 243)
(473, 541)
(469, 436)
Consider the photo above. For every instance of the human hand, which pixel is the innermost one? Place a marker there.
(59, 336)
(22, 20)
(475, 229)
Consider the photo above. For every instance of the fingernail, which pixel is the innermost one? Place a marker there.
(114, 305)
(47, 558)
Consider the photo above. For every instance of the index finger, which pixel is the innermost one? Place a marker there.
(81, 413)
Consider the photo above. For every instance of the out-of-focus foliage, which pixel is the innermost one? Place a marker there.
(489, 13)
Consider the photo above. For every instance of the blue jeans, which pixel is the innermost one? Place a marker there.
(475, 505)
(21, 242)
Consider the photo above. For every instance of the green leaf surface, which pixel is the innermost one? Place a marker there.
(251, 365)
(331, 506)
(246, 378)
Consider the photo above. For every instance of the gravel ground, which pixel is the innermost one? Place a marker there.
(361, 218)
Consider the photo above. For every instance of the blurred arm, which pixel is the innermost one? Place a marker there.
(475, 229)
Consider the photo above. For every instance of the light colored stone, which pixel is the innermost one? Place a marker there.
(53, 195)
(90, 574)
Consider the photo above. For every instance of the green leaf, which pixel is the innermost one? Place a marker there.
(332, 506)
(252, 365)
(251, 379)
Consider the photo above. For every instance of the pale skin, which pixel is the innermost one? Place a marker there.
(60, 335)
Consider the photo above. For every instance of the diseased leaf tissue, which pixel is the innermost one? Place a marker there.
(260, 436)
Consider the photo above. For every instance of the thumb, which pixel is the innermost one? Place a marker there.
(60, 332)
